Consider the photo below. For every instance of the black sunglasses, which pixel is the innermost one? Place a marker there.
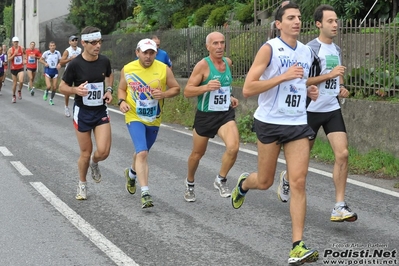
(95, 42)
(75, 40)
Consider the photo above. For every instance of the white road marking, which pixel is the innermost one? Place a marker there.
(5, 151)
(314, 170)
(21, 168)
(106, 246)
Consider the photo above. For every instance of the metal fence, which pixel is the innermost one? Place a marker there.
(370, 52)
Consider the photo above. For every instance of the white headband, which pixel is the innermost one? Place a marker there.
(91, 36)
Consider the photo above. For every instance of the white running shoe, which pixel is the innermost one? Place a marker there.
(189, 192)
(95, 172)
(67, 113)
(82, 191)
(222, 187)
(283, 190)
(343, 213)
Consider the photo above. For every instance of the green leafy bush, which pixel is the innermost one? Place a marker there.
(243, 49)
(218, 16)
(180, 20)
(202, 14)
(245, 124)
(244, 13)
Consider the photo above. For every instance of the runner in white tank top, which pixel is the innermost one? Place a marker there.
(326, 111)
(69, 54)
(278, 75)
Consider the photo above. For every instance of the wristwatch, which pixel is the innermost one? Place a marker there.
(120, 101)
(110, 90)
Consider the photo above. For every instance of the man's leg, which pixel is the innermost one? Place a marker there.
(297, 156)
(53, 89)
(30, 76)
(102, 135)
(267, 161)
(66, 109)
(230, 136)
(86, 146)
(14, 84)
(339, 145)
(199, 147)
(48, 87)
(21, 83)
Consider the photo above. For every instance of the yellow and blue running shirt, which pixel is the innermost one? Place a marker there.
(140, 83)
(219, 100)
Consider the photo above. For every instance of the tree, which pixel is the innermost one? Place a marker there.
(104, 14)
(159, 12)
(3, 4)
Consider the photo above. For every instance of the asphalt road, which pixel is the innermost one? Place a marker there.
(41, 223)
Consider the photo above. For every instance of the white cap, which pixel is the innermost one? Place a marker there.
(146, 44)
(15, 39)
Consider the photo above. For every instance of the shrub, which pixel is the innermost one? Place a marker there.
(244, 13)
(218, 16)
(243, 49)
(180, 20)
(202, 14)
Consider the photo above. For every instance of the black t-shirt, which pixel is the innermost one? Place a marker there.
(79, 71)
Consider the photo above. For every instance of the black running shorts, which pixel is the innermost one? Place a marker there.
(269, 133)
(207, 124)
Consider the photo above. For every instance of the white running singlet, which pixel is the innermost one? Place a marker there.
(285, 104)
(329, 57)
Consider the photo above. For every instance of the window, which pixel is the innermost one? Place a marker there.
(34, 7)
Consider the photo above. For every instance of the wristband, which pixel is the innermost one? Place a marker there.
(110, 90)
(120, 101)
(342, 85)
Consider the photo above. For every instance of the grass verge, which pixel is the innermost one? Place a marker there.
(375, 163)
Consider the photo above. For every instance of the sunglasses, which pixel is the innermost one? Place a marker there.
(95, 42)
(75, 40)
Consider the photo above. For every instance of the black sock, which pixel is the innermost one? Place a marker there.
(52, 94)
(189, 183)
(222, 178)
(296, 243)
(242, 191)
(132, 171)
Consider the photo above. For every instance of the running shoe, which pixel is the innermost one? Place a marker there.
(50, 102)
(301, 254)
(146, 200)
(67, 113)
(343, 213)
(32, 92)
(222, 187)
(236, 198)
(95, 172)
(82, 191)
(19, 95)
(283, 190)
(189, 194)
(14, 99)
(45, 95)
(130, 182)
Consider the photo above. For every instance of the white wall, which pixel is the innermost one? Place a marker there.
(49, 9)
(45, 10)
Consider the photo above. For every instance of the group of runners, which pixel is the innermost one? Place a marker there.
(18, 59)
(298, 88)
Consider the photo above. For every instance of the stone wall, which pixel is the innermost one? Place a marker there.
(370, 124)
